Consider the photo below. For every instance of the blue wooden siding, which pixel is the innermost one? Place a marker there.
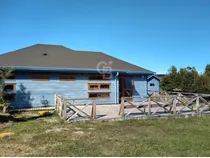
(156, 86)
(30, 93)
(140, 87)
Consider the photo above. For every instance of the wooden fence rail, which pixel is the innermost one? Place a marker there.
(68, 110)
(168, 104)
(152, 105)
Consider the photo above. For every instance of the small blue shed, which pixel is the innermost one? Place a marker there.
(153, 84)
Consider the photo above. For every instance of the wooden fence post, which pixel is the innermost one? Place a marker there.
(55, 101)
(197, 103)
(60, 106)
(93, 114)
(122, 108)
(58, 102)
(149, 106)
(179, 97)
(64, 110)
(174, 105)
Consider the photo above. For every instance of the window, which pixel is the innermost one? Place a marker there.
(67, 77)
(99, 77)
(40, 77)
(99, 95)
(102, 86)
(152, 84)
(10, 87)
(93, 86)
(9, 97)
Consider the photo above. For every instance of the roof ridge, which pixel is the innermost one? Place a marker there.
(34, 45)
(19, 49)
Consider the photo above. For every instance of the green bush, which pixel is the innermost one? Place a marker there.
(187, 80)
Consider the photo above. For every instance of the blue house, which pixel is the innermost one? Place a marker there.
(42, 70)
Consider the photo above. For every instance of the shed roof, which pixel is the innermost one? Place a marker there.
(57, 56)
(153, 76)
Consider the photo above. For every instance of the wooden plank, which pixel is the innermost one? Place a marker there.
(64, 111)
(200, 94)
(128, 101)
(174, 105)
(122, 110)
(93, 114)
(58, 110)
(197, 103)
(55, 101)
(149, 106)
(164, 105)
(186, 104)
(136, 106)
(206, 106)
(204, 100)
(76, 112)
(78, 109)
(60, 107)
(160, 98)
(141, 105)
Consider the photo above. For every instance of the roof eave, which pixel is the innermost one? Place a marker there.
(24, 68)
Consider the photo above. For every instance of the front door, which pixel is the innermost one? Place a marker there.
(126, 86)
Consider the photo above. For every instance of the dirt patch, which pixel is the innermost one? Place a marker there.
(27, 137)
(56, 129)
(47, 146)
(79, 133)
(77, 128)
(51, 119)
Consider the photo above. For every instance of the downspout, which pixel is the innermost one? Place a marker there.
(116, 91)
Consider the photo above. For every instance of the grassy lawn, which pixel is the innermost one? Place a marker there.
(161, 137)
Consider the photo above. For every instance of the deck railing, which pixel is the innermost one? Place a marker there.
(131, 107)
(167, 104)
(67, 109)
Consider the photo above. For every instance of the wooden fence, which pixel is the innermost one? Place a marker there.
(156, 104)
(67, 109)
(133, 107)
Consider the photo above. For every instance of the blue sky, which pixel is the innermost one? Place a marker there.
(153, 34)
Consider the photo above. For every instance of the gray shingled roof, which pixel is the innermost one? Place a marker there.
(55, 56)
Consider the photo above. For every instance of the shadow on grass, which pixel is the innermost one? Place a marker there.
(7, 118)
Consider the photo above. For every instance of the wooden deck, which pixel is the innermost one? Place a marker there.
(151, 107)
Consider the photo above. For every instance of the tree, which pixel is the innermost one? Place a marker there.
(5, 73)
(207, 70)
(186, 80)
(171, 80)
(203, 84)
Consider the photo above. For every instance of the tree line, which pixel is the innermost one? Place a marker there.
(187, 80)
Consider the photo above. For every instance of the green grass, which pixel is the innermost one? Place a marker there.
(160, 137)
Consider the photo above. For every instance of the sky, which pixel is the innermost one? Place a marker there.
(154, 34)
